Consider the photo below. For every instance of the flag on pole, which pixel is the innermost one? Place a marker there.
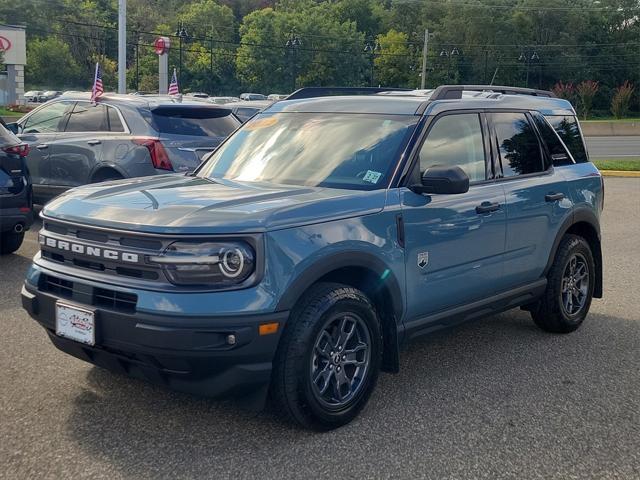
(98, 88)
(173, 86)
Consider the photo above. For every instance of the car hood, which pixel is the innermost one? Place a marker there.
(186, 204)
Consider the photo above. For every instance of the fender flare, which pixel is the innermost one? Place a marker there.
(344, 259)
(580, 215)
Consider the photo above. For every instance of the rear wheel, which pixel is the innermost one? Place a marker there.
(329, 358)
(569, 292)
(10, 242)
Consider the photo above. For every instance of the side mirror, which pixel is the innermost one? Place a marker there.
(443, 179)
(14, 127)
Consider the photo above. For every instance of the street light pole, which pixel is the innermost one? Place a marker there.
(454, 52)
(122, 46)
(182, 35)
(372, 48)
(527, 56)
(292, 46)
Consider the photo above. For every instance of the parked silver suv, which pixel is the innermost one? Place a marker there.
(74, 141)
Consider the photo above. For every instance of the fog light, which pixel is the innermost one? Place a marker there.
(231, 339)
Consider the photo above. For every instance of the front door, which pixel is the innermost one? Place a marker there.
(454, 243)
(40, 129)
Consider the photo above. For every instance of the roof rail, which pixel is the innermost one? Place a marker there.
(312, 92)
(452, 92)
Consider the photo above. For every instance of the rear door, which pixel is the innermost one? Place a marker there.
(537, 195)
(39, 130)
(189, 132)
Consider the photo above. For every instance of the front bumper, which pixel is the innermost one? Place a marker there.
(189, 354)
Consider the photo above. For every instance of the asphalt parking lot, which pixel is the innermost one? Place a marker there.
(497, 398)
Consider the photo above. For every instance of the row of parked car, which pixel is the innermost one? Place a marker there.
(41, 96)
(71, 141)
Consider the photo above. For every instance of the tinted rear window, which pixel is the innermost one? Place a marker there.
(518, 144)
(199, 122)
(567, 128)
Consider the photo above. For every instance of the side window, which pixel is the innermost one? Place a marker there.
(456, 140)
(567, 128)
(559, 155)
(46, 120)
(87, 117)
(520, 152)
(115, 125)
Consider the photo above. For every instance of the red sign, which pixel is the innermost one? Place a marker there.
(161, 45)
(5, 44)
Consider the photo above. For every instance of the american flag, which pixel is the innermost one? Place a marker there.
(98, 88)
(173, 86)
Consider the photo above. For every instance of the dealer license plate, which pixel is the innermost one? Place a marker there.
(75, 323)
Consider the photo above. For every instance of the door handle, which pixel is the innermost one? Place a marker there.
(552, 197)
(42, 146)
(487, 207)
(94, 142)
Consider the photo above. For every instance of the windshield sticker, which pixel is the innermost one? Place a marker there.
(258, 123)
(371, 176)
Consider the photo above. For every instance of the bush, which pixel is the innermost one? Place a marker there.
(586, 91)
(19, 108)
(621, 100)
(564, 90)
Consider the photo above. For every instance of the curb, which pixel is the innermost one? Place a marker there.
(620, 173)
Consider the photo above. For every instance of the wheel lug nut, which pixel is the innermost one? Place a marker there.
(330, 367)
(338, 368)
(344, 357)
(339, 349)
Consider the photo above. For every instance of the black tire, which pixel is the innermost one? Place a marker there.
(294, 395)
(10, 242)
(551, 312)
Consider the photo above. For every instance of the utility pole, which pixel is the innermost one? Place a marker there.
(425, 50)
(122, 46)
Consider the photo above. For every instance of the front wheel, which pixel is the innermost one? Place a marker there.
(329, 358)
(570, 283)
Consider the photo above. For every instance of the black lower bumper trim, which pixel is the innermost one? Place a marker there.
(187, 354)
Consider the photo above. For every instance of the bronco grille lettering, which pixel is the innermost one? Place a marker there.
(79, 248)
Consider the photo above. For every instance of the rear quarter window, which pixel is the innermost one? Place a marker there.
(569, 131)
(199, 122)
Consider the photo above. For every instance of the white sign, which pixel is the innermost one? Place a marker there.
(13, 46)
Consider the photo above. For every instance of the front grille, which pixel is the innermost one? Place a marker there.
(88, 295)
(108, 240)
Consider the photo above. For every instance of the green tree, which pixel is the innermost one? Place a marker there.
(397, 64)
(50, 64)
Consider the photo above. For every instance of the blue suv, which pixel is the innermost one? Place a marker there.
(320, 238)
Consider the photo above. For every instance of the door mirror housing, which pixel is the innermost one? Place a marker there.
(444, 180)
(14, 127)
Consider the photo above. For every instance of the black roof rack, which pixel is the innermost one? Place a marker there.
(312, 92)
(452, 92)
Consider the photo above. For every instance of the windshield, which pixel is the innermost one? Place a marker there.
(353, 151)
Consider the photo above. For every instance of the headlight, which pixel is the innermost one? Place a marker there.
(218, 264)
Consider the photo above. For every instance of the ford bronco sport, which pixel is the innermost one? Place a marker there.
(320, 238)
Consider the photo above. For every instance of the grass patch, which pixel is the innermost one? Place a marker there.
(8, 113)
(628, 164)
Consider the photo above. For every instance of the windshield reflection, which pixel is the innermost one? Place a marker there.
(352, 151)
